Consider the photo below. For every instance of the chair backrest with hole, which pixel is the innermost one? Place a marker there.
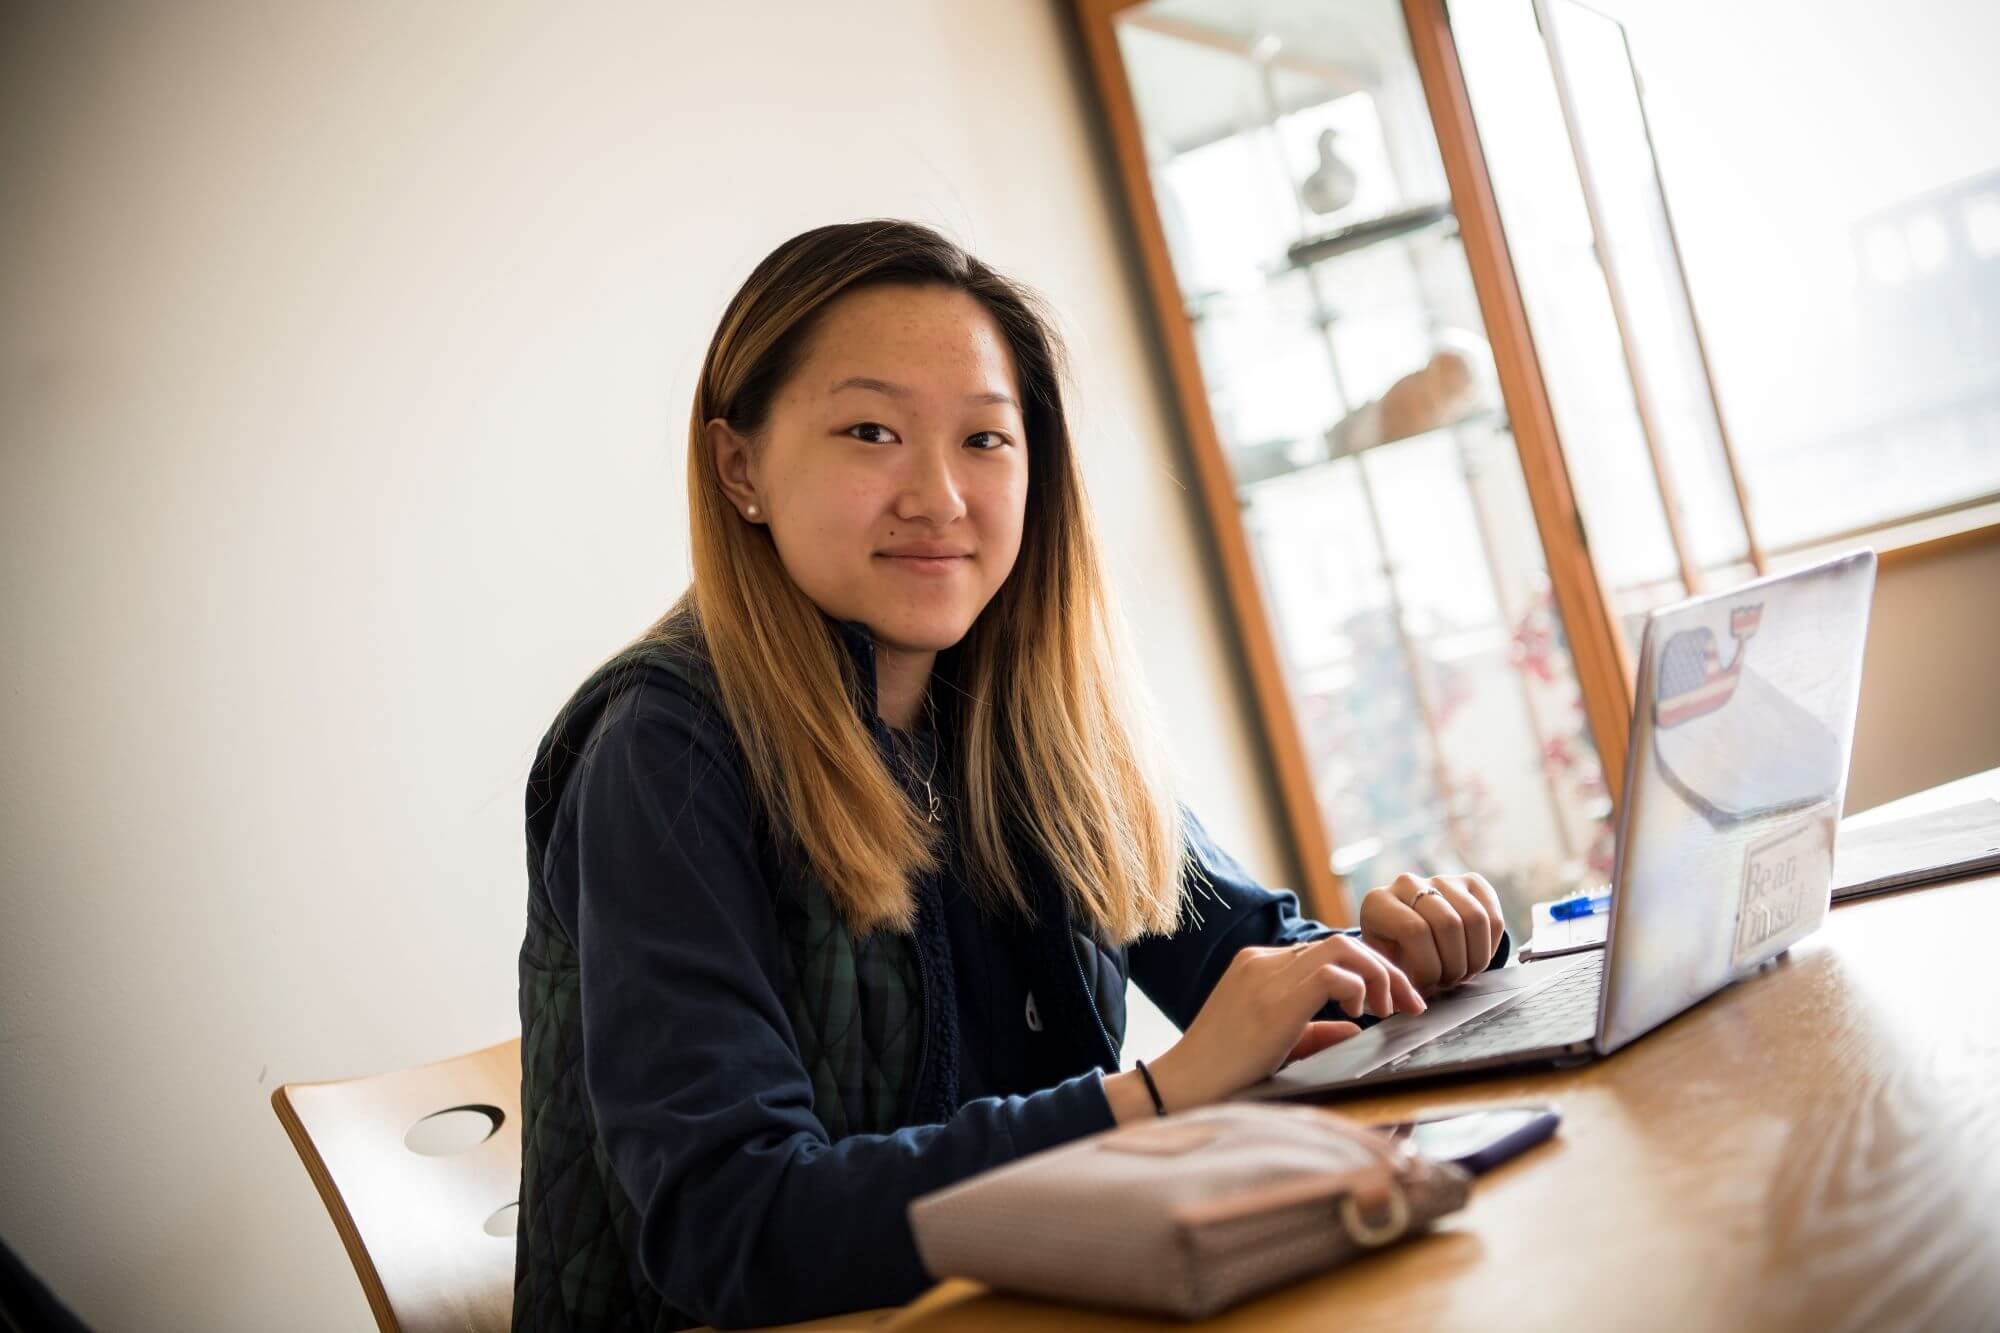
(421, 1170)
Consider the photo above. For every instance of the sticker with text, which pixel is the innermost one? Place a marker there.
(1785, 884)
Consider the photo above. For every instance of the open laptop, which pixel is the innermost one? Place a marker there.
(1734, 780)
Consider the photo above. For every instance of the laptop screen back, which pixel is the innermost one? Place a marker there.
(1736, 773)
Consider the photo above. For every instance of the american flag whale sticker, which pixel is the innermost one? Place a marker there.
(1692, 681)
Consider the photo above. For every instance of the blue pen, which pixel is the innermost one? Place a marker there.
(1569, 909)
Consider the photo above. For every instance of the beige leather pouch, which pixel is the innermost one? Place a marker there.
(1185, 1215)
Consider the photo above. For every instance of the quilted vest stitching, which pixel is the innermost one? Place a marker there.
(857, 1015)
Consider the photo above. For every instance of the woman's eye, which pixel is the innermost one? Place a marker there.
(871, 425)
(998, 440)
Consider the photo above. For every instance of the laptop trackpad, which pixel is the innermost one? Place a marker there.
(1401, 1032)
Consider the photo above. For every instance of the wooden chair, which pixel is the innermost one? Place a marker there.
(421, 1170)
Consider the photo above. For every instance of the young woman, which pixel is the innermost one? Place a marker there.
(838, 873)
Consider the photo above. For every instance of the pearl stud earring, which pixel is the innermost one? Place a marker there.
(750, 511)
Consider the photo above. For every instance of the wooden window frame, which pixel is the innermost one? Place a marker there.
(1603, 665)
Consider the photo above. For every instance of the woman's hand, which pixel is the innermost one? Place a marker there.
(1439, 930)
(1259, 1018)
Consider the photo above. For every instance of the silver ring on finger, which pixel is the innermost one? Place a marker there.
(1426, 891)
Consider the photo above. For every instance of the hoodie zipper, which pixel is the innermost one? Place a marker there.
(1089, 991)
(885, 744)
(923, 1028)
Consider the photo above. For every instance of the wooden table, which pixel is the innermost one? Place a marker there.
(1817, 1147)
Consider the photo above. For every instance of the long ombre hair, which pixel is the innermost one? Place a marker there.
(1056, 748)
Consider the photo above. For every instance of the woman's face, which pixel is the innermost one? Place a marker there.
(893, 470)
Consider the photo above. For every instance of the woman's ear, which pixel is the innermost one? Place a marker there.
(730, 452)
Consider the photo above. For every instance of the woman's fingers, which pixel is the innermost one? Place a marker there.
(1330, 981)
(1373, 970)
(1478, 908)
(1439, 930)
(1357, 958)
(1389, 990)
(1392, 925)
(1490, 900)
(1480, 933)
(1408, 998)
(1264, 1009)
(1386, 989)
(1448, 932)
(1318, 1036)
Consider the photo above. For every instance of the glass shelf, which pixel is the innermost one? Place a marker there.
(1331, 246)
(1249, 483)
(1373, 231)
(1344, 360)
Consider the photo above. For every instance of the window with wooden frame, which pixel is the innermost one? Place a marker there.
(1423, 308)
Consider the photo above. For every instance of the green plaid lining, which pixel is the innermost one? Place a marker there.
(857, 1014)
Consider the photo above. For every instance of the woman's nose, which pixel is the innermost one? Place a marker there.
(931, 488)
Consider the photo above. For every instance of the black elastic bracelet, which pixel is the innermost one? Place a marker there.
(1159, 1107)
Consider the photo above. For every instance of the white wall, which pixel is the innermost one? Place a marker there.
(345, 354)
(1929, 711)
(346, 365)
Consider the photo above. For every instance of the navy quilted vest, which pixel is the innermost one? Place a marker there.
(879, 1056)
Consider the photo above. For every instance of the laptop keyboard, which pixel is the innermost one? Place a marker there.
(1564, 1011)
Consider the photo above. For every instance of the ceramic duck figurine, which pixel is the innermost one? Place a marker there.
(1332, 185)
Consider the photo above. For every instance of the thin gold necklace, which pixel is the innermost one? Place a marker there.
(937, 745)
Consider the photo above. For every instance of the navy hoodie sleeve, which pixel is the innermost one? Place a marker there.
(1227, 910)
(747, 1213)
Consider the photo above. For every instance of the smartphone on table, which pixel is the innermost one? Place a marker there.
(1480, 1138)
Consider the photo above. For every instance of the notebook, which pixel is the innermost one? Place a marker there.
(1943, 844)
(1553, 938)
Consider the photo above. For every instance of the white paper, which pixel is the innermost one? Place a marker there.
(1940, 845)
(1553, 937)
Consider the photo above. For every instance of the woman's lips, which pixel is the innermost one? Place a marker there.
(927, 564)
